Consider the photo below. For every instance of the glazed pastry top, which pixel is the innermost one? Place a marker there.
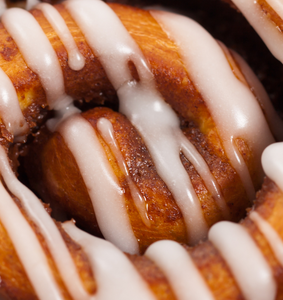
(159, 126)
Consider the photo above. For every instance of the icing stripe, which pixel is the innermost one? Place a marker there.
(232, 105)
(76, 60)
(37, 52)
(116, 277)
(275, 122)
(270, 234)
(103, 187)
(202, 168)
(47, 227)
(177, 265)
(266, 29)
(272, 162)
(28, 248)
(10, 110)
(106, 130)
(247, 263)
(233, 64)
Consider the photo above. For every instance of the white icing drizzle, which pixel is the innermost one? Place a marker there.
(31, 3)
(37, 52)
(76, 60)
(182, 274)
(245, 260)
(106, 130)
(270, 234)
(266, 29)
(116, 277)
(27, 247)
(233, 106)
(143, 105)
(233, 65)
(48, 229)
(272, 163)
(10, 110)
(275, 123)
(246, 75)
(62, 114)
(103, 187)
(191, 153)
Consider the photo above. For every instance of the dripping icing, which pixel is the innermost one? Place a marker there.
(76, 60)
(103, 187)
(10, 110)
(192, 154)
(105, 128)
(237, 71)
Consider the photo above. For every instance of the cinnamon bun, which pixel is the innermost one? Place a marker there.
(189, 109)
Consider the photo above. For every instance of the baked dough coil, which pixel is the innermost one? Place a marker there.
(35, 276)
(161, 218)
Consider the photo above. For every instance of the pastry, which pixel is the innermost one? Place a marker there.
(44, 259)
